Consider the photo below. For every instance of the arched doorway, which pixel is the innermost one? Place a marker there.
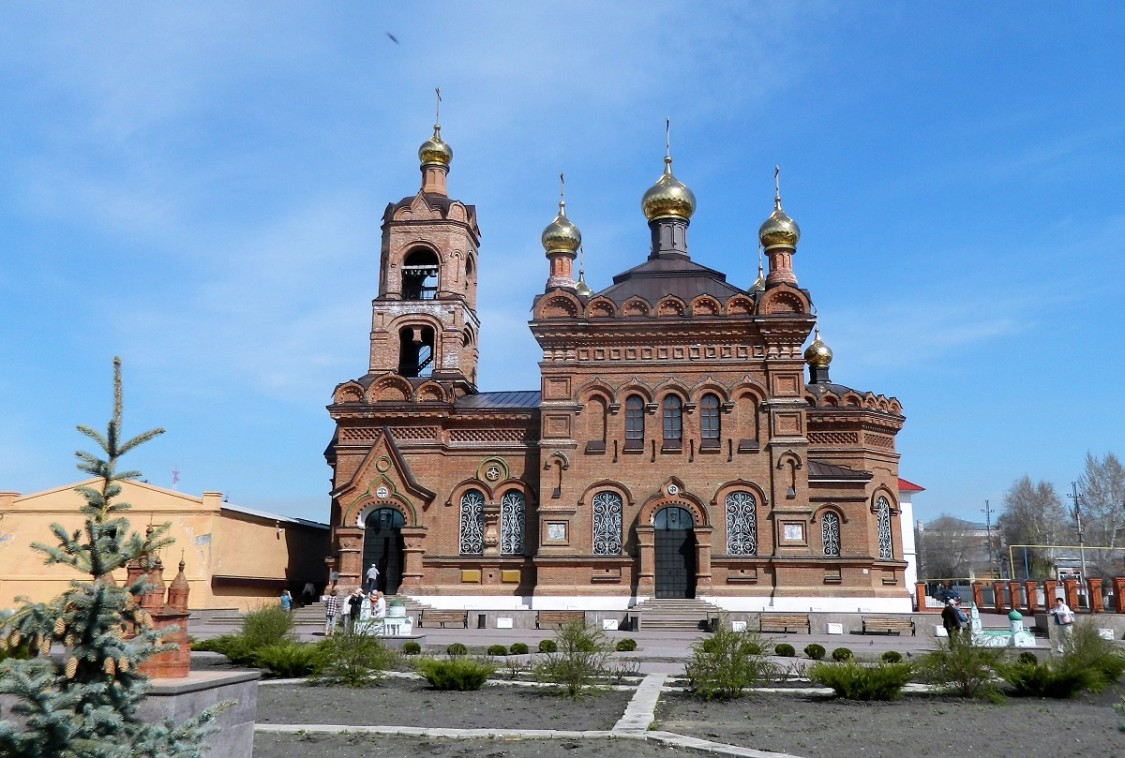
(382, 545)
(674, 548)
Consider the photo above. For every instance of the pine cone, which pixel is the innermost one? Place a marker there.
(60, 626)
(123, 663)
(110, 667)
(69, 641)
(71, 667)
(16, 637)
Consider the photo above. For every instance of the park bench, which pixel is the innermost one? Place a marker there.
(784, 622)
(431, 616)
(888, 624)
(557, 618)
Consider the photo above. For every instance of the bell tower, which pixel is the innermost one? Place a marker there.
(424, 322)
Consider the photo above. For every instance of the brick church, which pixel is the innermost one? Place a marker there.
(681, 444)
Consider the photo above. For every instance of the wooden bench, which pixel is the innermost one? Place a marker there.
(557, 618)
(783, 622)
(429, 615)
(888, 624)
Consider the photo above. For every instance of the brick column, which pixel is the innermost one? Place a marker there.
(998, 593)
(413, 539)
(1070, 590)
(646, 578)
(703, 535)
(1032, 590)
(1014, 592)
(1049, 588)
(1094, 587)
(1119, 594)
(350, 551)
(978, 594)
(920, 598)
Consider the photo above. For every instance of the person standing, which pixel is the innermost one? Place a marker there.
(308, 593)
(355, 608)
(372, 578)
(951, 620)
(286, 601)
(331, 611)
(1064, 623)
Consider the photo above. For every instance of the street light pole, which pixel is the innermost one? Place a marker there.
(1081, 543)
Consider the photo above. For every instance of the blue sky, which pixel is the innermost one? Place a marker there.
(197, 187)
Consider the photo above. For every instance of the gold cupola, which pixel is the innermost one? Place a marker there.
(435, 151)
(561, 235)
(779, 230)
(669, 197)
(818, 354)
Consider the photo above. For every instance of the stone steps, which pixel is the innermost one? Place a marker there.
(664, 613)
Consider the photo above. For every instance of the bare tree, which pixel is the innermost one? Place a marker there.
(948, 548)
(1034, 515)
(1103, 512)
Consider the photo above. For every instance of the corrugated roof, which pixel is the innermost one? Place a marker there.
(905, 486)
(677, 276)
(528, 399)
(823, 470)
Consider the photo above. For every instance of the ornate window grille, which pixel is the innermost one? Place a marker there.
(673, 421)
(709, 419)
(742, 524)
(607, 523)
(830, 534)
(472, 523)
(511, 523)
(883, 516)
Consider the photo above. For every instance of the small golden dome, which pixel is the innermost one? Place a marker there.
(759, 284)
(582, 289)
(561, 236)
(779, 230)
(669, 197)
(818, 353)
(434, 151)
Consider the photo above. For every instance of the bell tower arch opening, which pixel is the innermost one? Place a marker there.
(416, 351)
(420, 275)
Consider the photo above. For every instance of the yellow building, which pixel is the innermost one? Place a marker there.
(235, 557)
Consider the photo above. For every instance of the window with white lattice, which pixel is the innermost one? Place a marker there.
(472, 523)
(742, 524)
(512, 507)
(607, 523)
(883, 519)
(830, 534)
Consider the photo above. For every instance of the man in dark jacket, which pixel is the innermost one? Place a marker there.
(951, 619)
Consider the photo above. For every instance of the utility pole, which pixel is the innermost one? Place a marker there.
(988, 532)
(1081, 543)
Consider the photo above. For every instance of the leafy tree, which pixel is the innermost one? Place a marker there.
(88, 705)
(1034, 515)
(1103, 512)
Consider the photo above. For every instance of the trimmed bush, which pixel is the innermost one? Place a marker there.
(1087, 649)
(784, 650)
(842, 654)
(288, 659)
(548, 646)
(958, 668)
(626, 645)
(892, 656)
(853, 681)
(1028, 658)
(519, 648)
(411, 648)
(233, 646)
(582, 652)
(457, 649)
(461, 673)
(814, 651)
(266, 626)
(353, 660)
(497, 651)
(725, 664)
(1048, 680)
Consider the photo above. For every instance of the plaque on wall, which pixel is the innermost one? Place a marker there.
(556, 531)
(794, 532)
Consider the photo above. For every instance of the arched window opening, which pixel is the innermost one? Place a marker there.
(673, 423)
(420, 275)
(634, 423)
(709, 428)
(597, 413)
(512, 507)
(607, 523)
(883, 519)
(472, 523)
(830, 534)
(416, 351)
(742, 524)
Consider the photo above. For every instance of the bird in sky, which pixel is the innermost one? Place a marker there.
(394, 39)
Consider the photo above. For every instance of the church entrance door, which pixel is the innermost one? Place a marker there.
(382, 545)
(674, 546)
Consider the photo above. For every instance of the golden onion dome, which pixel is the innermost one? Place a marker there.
(581, 288)
(759, 284)
(669, 197)
(779, 230)
(818, 353)
(561, 236)
(435, 151)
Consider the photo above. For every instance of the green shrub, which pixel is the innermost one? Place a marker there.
(233, 646)
(266, 626)
(725, 664)
(892, 656)
(1047, 680)
(548, 646)
(854, 681)
(497, 651)
(958, 668)
(1087, 650)
(456, 649)
(411, 648)
(353, 660)
(288, 659)
(1028, 657)
(461, 673)
(842, 654)
(814, 651)
(519, 648)
(626, 645)
(579, 661)
(784, 650)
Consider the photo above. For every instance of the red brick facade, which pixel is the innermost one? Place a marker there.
(672, 404)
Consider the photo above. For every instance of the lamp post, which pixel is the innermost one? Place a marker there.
(1081, 543)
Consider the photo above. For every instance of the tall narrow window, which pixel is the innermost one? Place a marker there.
(673, 422)
(607, 523)
(742, 524)
(511, 523)
(883, 519)
(830, 534)
(472, 523)
(634, 423)
(709, 421)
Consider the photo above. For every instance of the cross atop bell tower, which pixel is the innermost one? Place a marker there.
(424, 322)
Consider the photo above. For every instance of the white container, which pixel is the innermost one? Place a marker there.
(609, 625)
(833, 628)
(503, 622)
(738, 626)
